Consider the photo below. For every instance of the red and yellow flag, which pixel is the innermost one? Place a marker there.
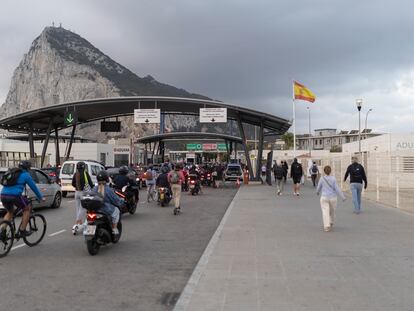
(303, 93)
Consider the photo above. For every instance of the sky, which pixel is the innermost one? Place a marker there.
(247, 52)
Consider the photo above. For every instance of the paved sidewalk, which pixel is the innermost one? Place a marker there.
(271, 254)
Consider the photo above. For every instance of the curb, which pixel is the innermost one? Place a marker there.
(192, 283)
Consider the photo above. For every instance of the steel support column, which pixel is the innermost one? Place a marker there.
(57, 150)
(72, 136)
(31, 143)
(235, 151)
(46, 142)
(246, 151)
(146, 155)
(260, 151)
(231, 150)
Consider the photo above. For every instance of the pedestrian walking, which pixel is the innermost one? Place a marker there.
(150, 179)
(329, 190)
(356, 173)
(296, 173)
(314, 172)
(279, 171)
(286, 169)
(176, 177)
(82, 182)
(263, 173)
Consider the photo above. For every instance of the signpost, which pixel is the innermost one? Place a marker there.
(213, 115)
(147, 116)
(70, 118)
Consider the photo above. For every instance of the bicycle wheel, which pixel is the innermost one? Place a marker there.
(6, 237)
(37, 227)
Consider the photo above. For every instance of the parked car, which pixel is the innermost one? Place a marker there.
(233, 172)
(51, 191)
(53, 173)
(69, 168)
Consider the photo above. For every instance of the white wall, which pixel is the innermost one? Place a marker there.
(382, 143)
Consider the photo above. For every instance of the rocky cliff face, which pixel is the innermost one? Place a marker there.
(61, 67)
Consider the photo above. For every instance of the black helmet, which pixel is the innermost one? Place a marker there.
(164, 169)
(80, 166)
(102, 176)
(123, 170)
(25, 165)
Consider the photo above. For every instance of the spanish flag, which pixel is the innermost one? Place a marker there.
(303, 93)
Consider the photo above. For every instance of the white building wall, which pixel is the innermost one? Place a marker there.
(383, 143)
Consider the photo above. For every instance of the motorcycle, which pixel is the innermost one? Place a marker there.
(98, 231)
(194, 184)
(130, 195)
(164, 196)
(208, 179)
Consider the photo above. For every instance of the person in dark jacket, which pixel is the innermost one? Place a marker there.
(296, 173)
(12, 196)
(279, 171)
(286, 168)
(81, 181)
(357, 177)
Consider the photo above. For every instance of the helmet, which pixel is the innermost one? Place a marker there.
(80, 166)
(164, 169)
(123, 170)
(25, 165)
(102, 176)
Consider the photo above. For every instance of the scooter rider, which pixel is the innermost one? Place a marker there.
(162, 179)
(122, 179)
(112, 202)
(11, 196)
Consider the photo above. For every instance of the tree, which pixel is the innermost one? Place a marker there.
(336, 148)
(288, 139)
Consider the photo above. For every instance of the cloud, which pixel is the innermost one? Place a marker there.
(247, 52)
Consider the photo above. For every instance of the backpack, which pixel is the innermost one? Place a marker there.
(10, 177)
(296, 169)
(148, 175)
(175, 177)
(355, 173)
(314, 169)
(279, 172)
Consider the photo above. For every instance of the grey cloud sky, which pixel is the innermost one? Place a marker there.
(247, 52)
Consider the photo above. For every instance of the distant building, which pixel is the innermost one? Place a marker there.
(328, 139)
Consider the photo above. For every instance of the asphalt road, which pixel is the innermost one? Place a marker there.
(146, 271)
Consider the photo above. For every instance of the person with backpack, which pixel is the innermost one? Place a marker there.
(357, 177)
(314, 172)
(82, 182)
(176, 177)
(329, 190)
(296, 173)
(279, 171)
(14, 182)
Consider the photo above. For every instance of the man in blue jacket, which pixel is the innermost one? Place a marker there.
(12, 196)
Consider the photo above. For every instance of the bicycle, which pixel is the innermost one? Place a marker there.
(37, 228)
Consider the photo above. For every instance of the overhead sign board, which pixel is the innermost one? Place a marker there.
(209, 146)
(110, 126)
(221, 147)
(121, 150)
(194, 146)
(147, 116)
(70, 118)
(213, 115)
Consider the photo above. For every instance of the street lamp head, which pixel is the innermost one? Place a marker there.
(359, 104)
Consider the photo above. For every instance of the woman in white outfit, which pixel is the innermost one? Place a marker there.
(329, 190)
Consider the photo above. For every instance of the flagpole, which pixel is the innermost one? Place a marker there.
(294, 118)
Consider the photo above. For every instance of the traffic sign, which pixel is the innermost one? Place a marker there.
(70, 118)
(213, 115)
(222, 147)
(194, 146)
(147, 116)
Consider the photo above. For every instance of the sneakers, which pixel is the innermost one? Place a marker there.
(77, 228)
(115, 231)
(22, 233)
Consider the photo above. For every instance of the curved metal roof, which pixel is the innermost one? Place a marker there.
(188, 135)
(105, 108)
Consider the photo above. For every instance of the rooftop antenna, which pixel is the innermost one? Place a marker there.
(60, 25)
(53, 24)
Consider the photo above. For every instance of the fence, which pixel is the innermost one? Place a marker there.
(390, 177)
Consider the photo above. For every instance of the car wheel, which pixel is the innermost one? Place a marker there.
(64, 194)
(57, 200)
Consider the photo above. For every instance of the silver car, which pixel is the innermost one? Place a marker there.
(51, 191)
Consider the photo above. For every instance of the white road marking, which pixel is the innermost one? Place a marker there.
(17, 246)
(187, 293)
(70, 201)
(56, 233)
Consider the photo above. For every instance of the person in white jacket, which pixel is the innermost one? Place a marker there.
(329, 190)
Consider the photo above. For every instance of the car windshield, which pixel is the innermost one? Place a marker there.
(68, 169)
(233, 169)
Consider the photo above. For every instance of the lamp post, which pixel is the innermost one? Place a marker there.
(359, 106)
(366, 122)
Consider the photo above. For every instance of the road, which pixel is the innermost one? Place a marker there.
(146, 271)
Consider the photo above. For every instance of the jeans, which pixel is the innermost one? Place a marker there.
(280, 184)
(356, 189)
(80, 211)
(176, 192)
(314, 176)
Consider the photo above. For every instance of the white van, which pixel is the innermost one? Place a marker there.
(69, 168)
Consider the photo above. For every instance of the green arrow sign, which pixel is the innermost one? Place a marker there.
(70, 118)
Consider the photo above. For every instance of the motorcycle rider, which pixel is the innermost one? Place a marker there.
(162, 180)
(194, 174)
(11, 196)
(122, 180)
(81, 181)
(112, 202)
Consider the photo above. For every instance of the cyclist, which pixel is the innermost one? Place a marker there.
(12, 196)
